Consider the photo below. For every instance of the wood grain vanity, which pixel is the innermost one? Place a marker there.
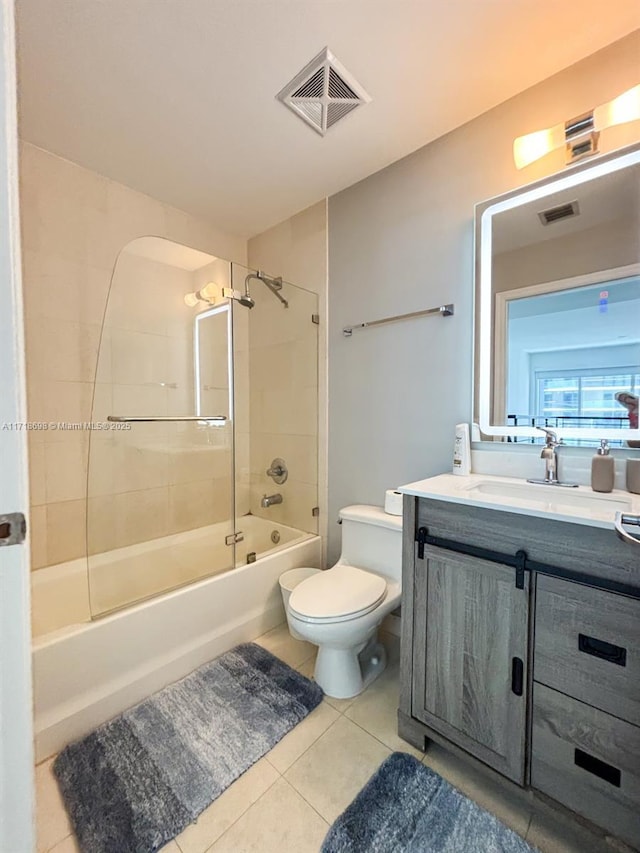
(521, 647)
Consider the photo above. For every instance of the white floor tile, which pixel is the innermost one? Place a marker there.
(230, 805)
(70, 845)
(52, 823)
(304, 735)
(334, 769)
(376, 711)
(280, 643)
(279, 822)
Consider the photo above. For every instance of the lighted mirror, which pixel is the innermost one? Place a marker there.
(558, 305)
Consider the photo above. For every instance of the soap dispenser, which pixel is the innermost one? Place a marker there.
(603, 469)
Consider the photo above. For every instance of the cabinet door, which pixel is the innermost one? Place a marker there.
(470, 652)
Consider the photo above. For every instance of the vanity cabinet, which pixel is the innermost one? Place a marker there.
(470, 654)
(521, 647)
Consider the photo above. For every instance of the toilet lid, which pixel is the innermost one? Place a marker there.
(339, 593)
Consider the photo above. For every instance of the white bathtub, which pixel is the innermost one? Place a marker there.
(87, 672)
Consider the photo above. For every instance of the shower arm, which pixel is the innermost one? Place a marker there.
(273, 284)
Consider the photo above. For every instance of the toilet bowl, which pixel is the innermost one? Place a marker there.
(340, 610)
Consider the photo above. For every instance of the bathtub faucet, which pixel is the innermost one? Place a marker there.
(270, 500)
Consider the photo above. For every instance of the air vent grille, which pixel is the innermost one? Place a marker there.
(339, 88)
(337, 111)
(313, 87)
(562, 211)
(323, 93)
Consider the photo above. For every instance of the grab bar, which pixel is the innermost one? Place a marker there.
(124, 419)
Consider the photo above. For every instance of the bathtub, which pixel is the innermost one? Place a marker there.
(86, 672)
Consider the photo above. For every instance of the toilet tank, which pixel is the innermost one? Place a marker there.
(372, 539)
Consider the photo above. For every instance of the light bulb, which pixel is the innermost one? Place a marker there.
(527, 149)
(209, 291)
(191, 299)
(624, 108)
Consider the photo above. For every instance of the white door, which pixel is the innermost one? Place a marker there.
(16, 755)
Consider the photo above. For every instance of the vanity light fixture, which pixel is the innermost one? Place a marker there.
(208, 294)
(579, 135)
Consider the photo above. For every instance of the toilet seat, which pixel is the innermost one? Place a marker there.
(337, 595)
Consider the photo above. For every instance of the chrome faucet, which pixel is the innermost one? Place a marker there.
(270, 500)
(550, 456)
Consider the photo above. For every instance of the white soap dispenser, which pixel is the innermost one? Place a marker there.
(462, 451)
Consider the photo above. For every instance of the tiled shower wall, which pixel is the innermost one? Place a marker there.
(287, 389)
(74, 223)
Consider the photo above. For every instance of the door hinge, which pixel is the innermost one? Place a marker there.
(315, 512)
(421, 539)
(315, 318)
(13, 528)
(234, 538)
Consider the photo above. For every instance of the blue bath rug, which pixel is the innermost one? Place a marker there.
(140, 779)
(407, 808)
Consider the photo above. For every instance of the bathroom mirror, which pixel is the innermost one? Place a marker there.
(558, 305)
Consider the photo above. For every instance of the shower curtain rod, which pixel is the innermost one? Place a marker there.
(442, 310)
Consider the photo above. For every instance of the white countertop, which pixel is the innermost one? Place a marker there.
(580, 505)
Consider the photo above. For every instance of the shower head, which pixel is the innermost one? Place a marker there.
(247, 300)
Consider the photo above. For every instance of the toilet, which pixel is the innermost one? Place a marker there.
(340, 610)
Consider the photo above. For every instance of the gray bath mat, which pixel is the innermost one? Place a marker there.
(407, 808)
(140, 779)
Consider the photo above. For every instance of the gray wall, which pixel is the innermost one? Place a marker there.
(400, 241)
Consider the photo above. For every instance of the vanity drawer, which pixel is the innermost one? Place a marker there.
(588, 760)
(587, 644)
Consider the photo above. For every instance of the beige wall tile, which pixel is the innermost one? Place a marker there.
(139, 467)
(199, 503)
(38, 536)
(101, 524)
(37, 472)
(140, 516)
(66, 468)
(66, 531)
(66, 402)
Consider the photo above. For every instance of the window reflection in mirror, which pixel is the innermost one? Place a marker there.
(573, 355)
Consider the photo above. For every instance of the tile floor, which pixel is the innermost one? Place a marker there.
(288, 799)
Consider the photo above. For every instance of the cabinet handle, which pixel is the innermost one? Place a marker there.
(517, 676)
(603, 650)
(599, 768)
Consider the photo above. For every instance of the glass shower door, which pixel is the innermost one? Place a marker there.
(161, 473)
(276, 406)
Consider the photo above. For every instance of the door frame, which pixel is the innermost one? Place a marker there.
(17, 831)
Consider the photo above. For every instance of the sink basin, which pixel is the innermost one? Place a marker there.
(550, 495)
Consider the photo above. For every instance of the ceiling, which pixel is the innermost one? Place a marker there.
(602, 200)
(176, 98)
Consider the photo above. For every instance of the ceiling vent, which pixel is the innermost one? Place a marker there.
(323, 93)
(562, 211)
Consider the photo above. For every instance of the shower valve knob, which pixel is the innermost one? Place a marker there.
(278, 471)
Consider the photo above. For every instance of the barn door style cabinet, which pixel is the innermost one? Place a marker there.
(521, 647)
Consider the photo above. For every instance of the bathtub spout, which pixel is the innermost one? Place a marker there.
(270, 500)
